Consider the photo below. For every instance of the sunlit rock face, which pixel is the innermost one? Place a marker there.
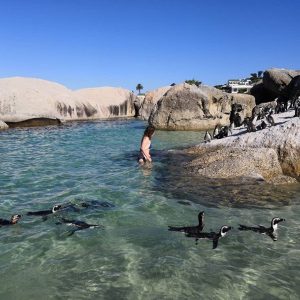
(3, 125)
(188, 107)
(29, 98)
(272, 154)
(150, 101)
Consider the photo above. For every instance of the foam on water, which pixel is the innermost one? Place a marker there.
(134, 256)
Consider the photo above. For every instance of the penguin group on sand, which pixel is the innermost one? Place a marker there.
(197, 233)
(76, 224)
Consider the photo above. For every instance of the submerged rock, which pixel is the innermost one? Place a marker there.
(188, 107)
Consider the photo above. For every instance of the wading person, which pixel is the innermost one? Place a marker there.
(146, 145)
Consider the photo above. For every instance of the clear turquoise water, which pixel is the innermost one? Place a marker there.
(134, 256)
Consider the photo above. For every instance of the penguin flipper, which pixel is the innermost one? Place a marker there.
(273, 236)
(215, 242)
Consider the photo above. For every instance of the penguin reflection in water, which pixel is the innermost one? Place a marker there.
(77, 225)
(269, 231)
(13, 220)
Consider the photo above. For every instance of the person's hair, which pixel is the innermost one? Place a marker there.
(149, 131)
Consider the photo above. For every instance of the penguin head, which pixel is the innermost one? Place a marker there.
(224, 229)
(275, 222)
(15, 218)
(56, 208)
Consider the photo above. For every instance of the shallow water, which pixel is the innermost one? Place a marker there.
(134, 256)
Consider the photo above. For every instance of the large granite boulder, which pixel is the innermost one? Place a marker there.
(188, 107)
(275, 80)
(292, 91)
(3, 125)
(254, 154)
(230, 163)
(22, 99)
(262, 94)
(150, 101)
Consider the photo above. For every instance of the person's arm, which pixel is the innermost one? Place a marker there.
(145, 148)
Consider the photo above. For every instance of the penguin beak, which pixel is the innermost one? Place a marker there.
(281, 220)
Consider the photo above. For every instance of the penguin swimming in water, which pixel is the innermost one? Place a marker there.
(213, 236)
(191, 229)
(54, 209)
(269, 231)
(79, 225)
(13, 220)
(207, 137)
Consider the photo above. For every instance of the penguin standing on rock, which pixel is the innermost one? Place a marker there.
(216, 130)
(270, 118)
(13, 220)
(214, 236)
(269, 231)
(191, 229)
(207, 137)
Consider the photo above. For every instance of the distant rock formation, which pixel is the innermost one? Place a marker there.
(150, 101)
(275, 80)
(188, 107)
(3, 125)
(272, 154)
(29, 98)
(274, 84)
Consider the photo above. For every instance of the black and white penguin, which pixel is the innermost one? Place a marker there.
(78, 225)
(223, 132)
(54, 209)
(191, 229)
(207, 137)
(269, 231)
(216, 130)
(213, 236)
(270, 118)
(13, 220)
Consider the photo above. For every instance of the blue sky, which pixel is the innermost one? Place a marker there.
(88, 43)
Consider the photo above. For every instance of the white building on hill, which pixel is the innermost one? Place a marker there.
(239, 85)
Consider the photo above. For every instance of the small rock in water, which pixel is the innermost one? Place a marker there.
(184, 202)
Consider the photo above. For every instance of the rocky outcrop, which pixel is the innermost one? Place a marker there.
(276, 83)
(275, 80)
(28, 98)
(292, 91)
(3, 125)
(188, 107)
(150, 101)
(262, 94)
(35, 122)
(272, 154)
(230, 163)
